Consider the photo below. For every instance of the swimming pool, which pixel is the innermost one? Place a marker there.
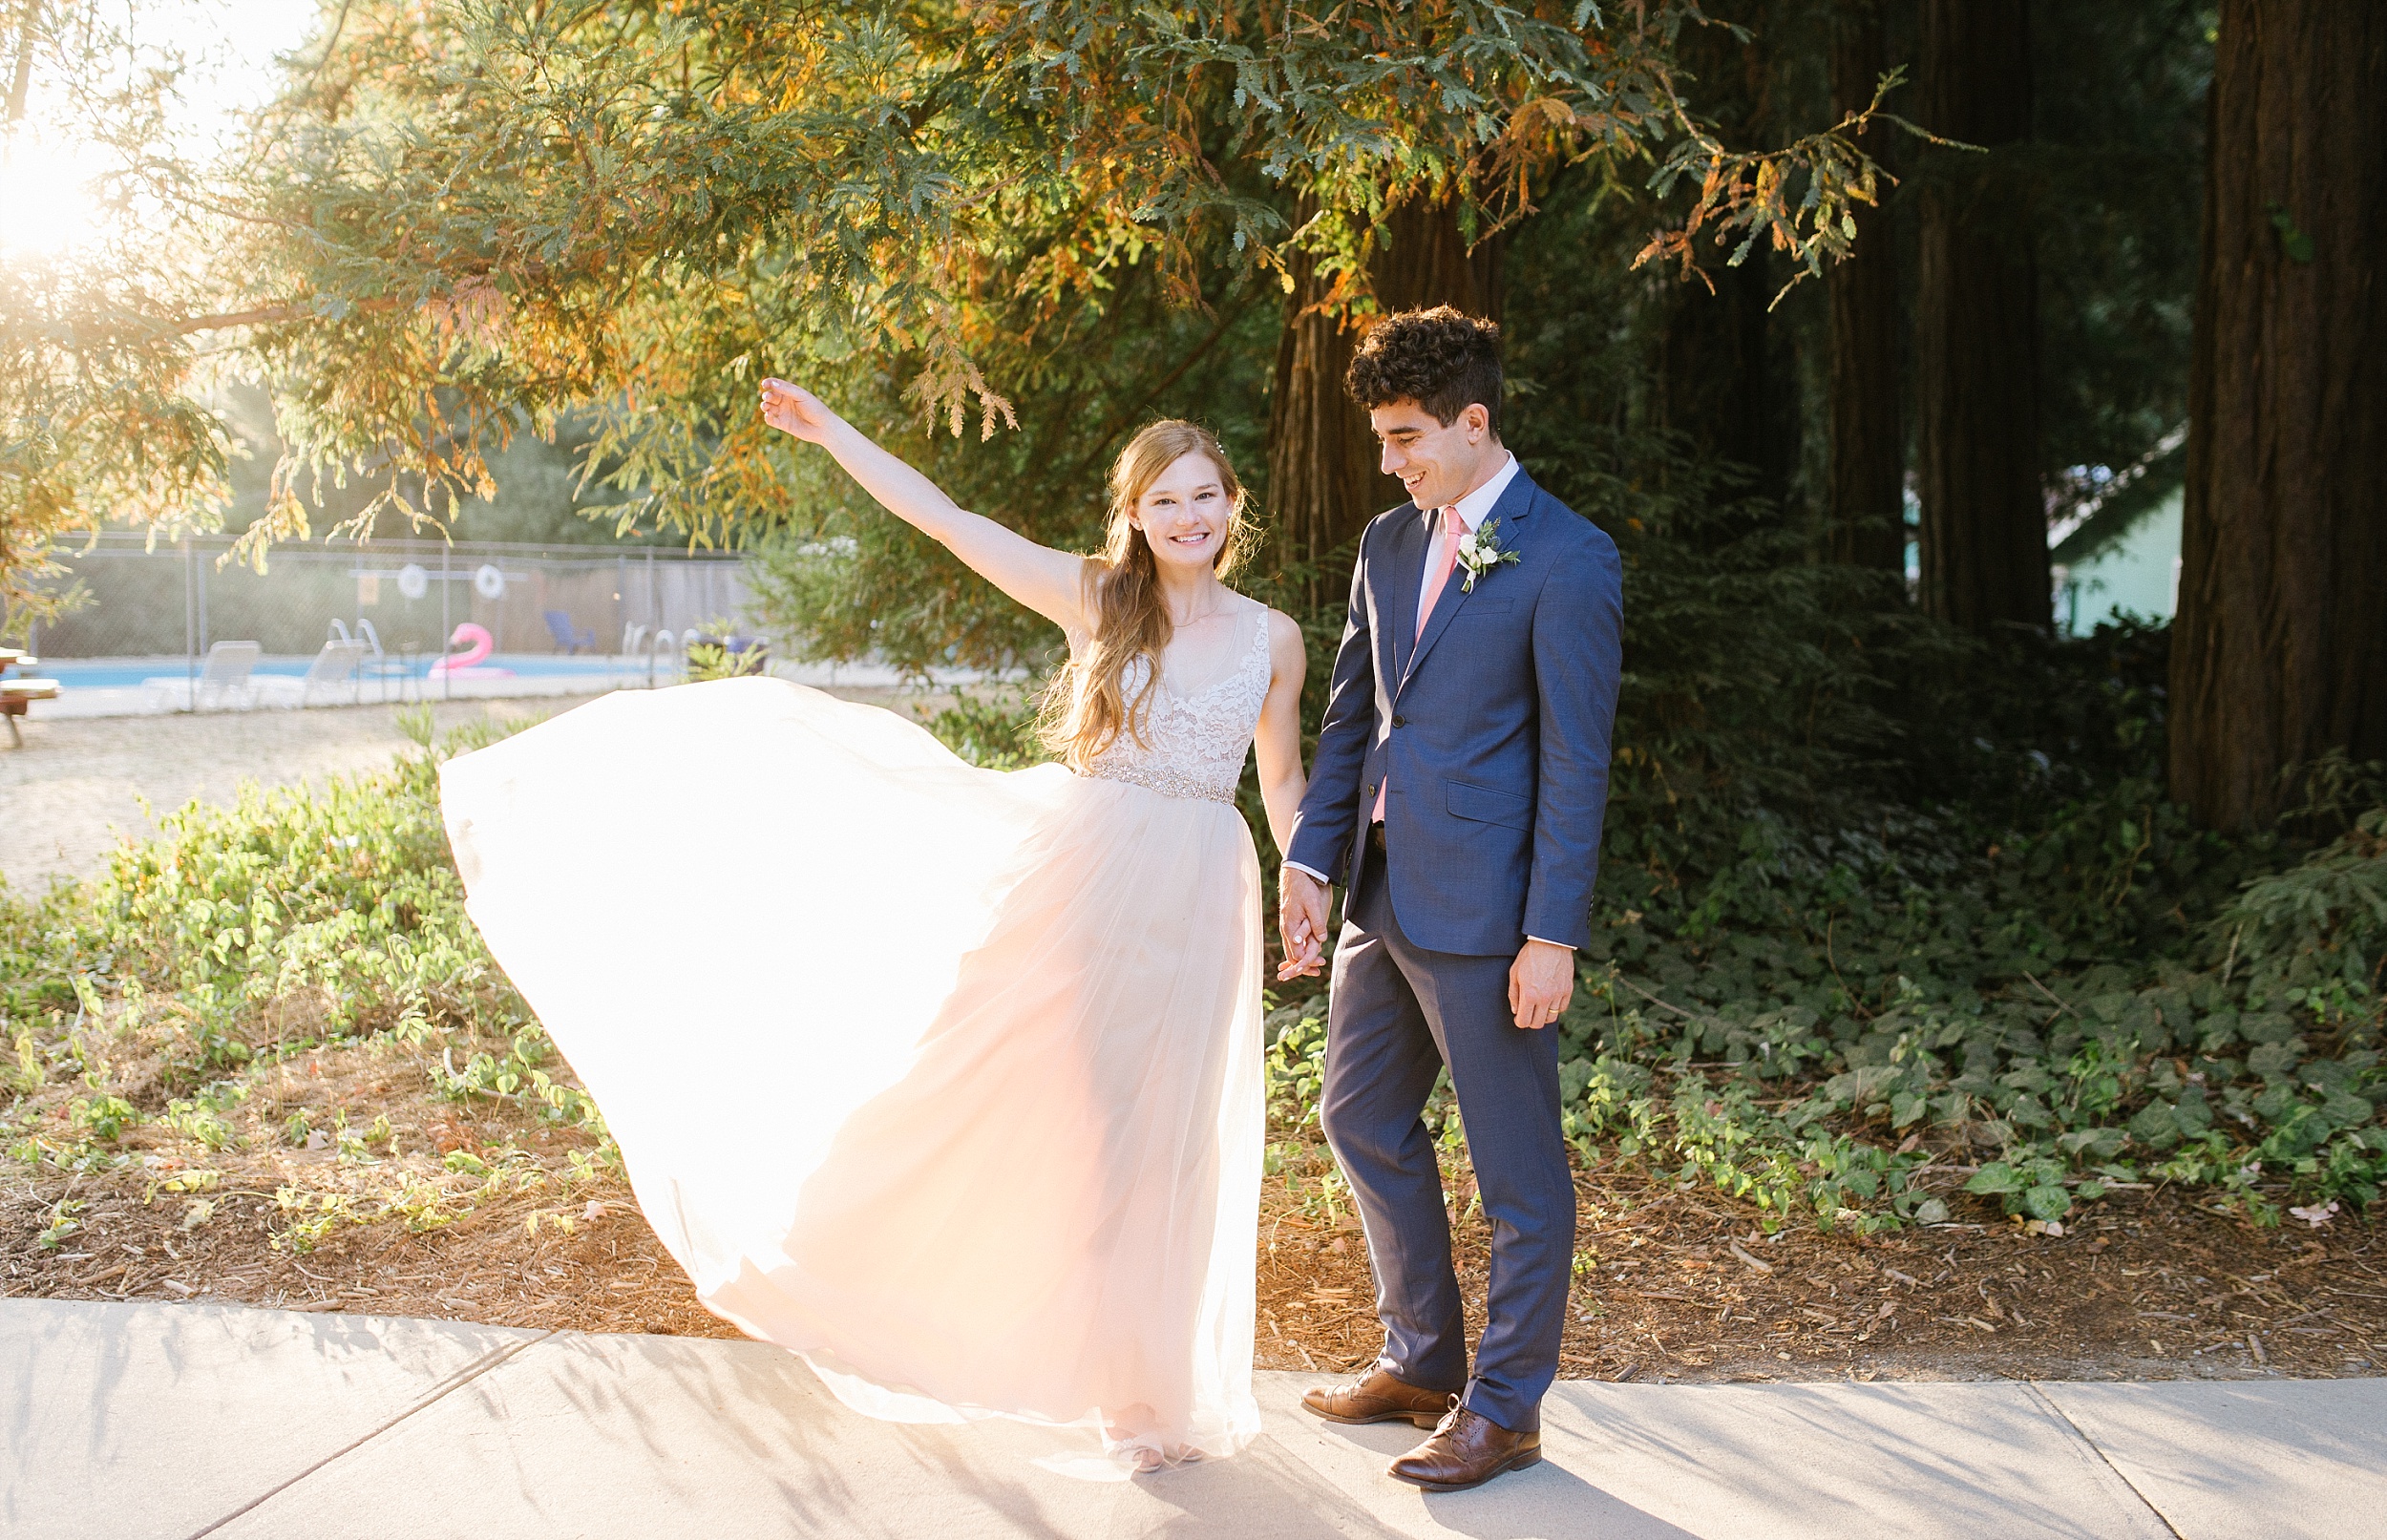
(127, 673)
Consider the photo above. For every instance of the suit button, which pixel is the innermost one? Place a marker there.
(1400, 722)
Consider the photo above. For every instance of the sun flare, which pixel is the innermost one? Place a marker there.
(47, 206)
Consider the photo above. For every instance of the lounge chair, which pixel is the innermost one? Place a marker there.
(223, 683)
(569, 637)
(331, 679)
(380, 667)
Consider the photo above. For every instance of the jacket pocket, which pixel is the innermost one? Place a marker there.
(1487, 805)
(1485, 606)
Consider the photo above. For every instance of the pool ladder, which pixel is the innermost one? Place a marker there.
(659, 646)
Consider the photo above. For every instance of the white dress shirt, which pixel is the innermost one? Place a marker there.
(1473, 510)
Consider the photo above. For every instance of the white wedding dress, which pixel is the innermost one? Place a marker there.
(946, 1079)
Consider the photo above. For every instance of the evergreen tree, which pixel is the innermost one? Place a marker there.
(1976, 347)
(2281, 651)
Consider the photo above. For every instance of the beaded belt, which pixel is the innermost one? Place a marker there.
(1168, 783)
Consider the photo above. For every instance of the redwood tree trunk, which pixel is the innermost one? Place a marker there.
(1984, 536)
(1867, 441)
(1728, 374)
(2279, 648)
(1322, 478)
(1721, 383)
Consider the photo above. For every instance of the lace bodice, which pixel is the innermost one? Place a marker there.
(1194, 745)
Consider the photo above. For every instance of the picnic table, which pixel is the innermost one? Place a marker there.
(17, 694)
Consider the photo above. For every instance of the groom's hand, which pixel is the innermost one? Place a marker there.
(1301, 923)
(1540, 984)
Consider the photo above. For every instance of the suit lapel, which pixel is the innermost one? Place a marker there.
(1405, 560)
(1515, 503)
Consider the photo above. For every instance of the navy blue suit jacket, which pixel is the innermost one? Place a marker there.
(1494, 726)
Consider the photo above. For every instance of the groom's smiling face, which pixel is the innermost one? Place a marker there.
(1438, 462)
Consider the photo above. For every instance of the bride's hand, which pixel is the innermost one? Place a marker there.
(794, 410)
(1302, 902)
(1050, 582)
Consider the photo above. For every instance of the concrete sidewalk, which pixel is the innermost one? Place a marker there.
(135, 1421)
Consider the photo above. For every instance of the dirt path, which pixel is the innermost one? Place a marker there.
(78, 783)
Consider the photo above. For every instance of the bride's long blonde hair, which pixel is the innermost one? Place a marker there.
(1087, 707)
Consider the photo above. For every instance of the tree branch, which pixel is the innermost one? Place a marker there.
(267, 316)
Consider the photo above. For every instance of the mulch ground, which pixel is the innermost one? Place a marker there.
(1681, 1286)
(1671, 1284)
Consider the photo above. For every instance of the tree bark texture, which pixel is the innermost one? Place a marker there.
(1322, 476)
(1727, 373)
(1867, 467)
(1721, 385)
(2279, 646)
(1984, 534)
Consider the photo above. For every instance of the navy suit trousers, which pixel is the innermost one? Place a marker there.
(1397, 1014)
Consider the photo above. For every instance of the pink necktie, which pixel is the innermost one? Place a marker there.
(1446, 557)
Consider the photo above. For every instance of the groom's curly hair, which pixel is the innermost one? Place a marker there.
(1439, 358)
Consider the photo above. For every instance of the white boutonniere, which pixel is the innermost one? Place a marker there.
(1480, 551)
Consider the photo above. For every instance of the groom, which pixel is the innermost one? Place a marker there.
(1461, 779)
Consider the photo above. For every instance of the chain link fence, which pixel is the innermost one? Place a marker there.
(402, 620)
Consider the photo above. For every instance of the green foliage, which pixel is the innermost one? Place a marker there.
(105, 409)
(1854, 1062)
(466, 222)
(2113, 179)
(63, 1223)
(993, 731)
(2310, 937)
(166, 991)
(336, 912)
(2062, 1005)
(711, 659)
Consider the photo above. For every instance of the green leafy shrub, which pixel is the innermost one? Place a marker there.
(157, 1008)
(994, 730)
(713, 660)
(296, 915)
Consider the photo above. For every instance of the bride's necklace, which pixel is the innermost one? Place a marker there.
(1211, 614)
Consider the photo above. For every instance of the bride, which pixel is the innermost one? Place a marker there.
(947, 1080)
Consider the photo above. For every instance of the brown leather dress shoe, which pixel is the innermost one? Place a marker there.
(1377, 1397)
(1467, 1449)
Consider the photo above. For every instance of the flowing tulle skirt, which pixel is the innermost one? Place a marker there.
(946, 1079)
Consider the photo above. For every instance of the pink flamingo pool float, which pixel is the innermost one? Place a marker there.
(478, 644)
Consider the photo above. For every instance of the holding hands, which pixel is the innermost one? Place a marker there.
(1541, 981)
(1302, 902)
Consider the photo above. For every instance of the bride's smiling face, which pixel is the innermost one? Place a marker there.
(1185, 513)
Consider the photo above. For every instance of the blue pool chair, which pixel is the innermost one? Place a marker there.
(569, 637)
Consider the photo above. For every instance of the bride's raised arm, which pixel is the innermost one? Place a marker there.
(1045, 580)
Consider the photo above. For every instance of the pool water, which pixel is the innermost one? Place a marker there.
(116, 673)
